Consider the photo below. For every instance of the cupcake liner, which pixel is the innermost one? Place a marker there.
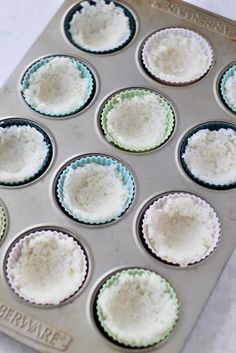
(211, 125)
(104, 161)
(230, 72)
(82, 68)
(130, 93)
(185, 33)
(3, 222)
(15, 253)
(24, 122)
(78, 8)
(201, 202)
(102, 317)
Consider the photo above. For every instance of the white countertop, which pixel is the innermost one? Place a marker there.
(21, 21)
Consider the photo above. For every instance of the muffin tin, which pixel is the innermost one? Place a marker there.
(72, 328)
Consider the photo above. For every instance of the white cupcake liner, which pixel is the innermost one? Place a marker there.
(185, 33)
(15, 253)
(201, 202)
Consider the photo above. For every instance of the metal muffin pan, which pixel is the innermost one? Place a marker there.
(71, 328)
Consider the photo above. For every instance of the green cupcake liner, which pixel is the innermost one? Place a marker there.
(3, 222)
(82, 68)
(101, 316)
(100, 160)
(130, 93)
(78, 8)
(229, 73)
(25, 122)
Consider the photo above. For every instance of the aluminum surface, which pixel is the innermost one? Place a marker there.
(71, 327)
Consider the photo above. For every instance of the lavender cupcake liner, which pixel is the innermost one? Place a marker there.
(171, 260)
(103, 161)
(130, 93)
(82, 68)
(15, 252)
(162, 34)
(228, 73)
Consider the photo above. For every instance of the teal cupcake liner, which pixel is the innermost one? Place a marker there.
(130, 93)
(82, 68)
(3, 222)
(227, 74)
(100, 160)
(100, 316)
(211, 125)
(78, 8)
(47, 161)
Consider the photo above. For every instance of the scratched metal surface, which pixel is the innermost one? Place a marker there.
(71, 327)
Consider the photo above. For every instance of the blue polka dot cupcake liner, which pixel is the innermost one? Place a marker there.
(84, 71)
(18, 122)
(213, 125)
(78, 7)
(102, 160)
(3, 221)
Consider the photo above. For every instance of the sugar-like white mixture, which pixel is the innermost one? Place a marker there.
(177, 58)
(211, 156)
(181, 230)
(139, 122)
(230, 89)
(23, 151)
(95, 192)
(138, 309)
(101, 27)
(49, 269)
(57, 87)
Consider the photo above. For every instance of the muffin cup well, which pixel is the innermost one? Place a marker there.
(78, 7)
(227, 74)
(82, 68)
(24, 122)
(101, 317)
(211, 125)
(15, 252)
(198, 201)
(130, 93)
(102, 160)
(162, 34)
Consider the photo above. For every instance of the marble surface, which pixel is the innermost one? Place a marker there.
(21, 21)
